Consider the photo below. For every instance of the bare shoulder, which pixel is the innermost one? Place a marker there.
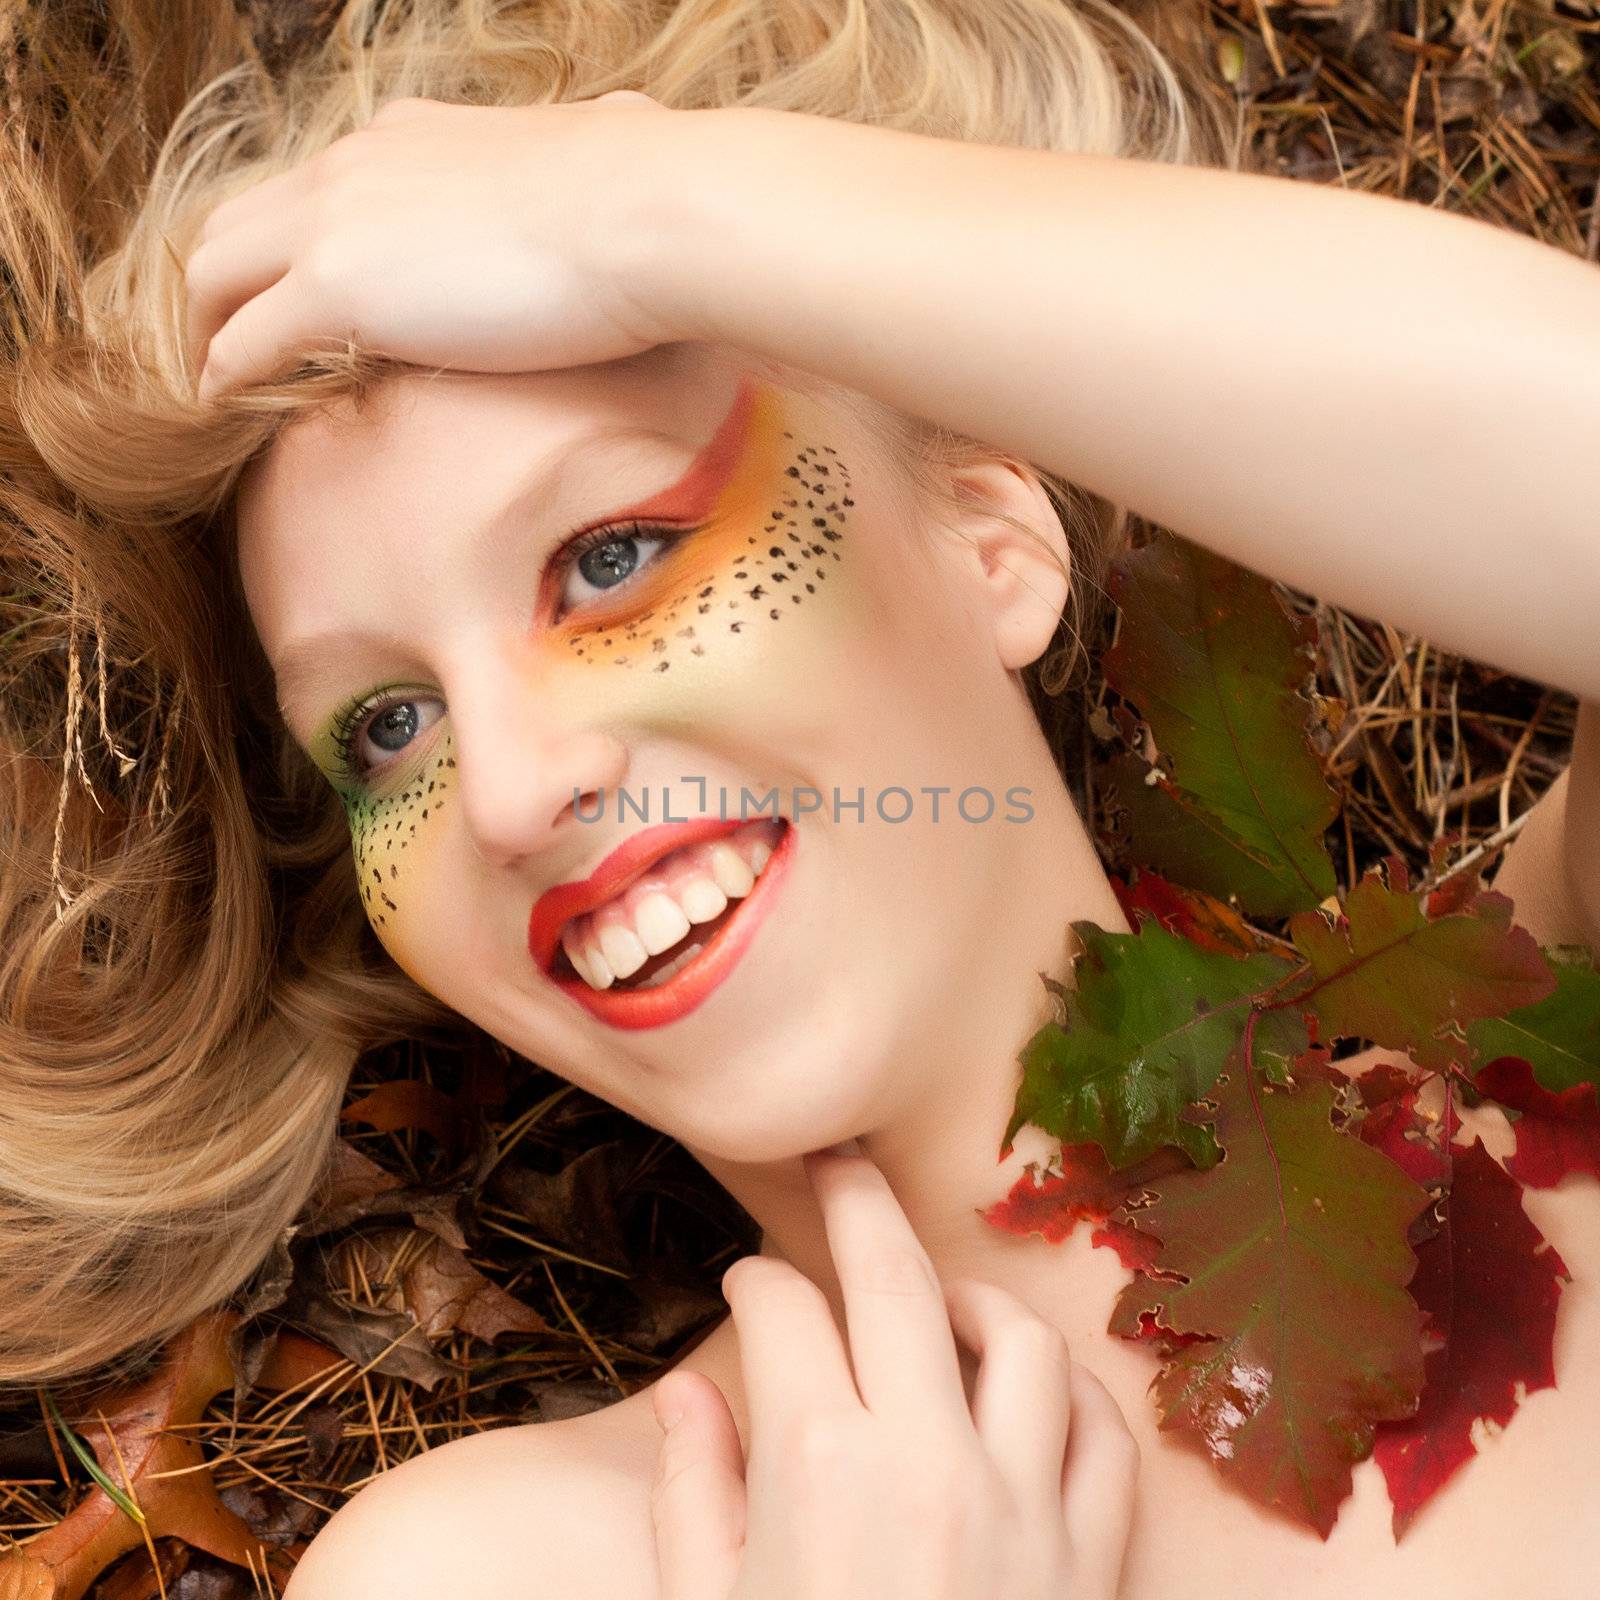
(542, 1509)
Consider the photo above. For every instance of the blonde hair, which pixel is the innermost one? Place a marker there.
(186, 977)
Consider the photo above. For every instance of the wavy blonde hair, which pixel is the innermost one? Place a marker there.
(186, 977)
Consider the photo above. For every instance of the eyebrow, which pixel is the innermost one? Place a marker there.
(692, 496)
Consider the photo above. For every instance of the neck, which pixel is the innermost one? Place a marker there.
(939, 1145)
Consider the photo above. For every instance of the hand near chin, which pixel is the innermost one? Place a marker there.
(485, 238)
(869, 1477)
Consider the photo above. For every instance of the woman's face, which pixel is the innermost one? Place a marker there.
(763, 607)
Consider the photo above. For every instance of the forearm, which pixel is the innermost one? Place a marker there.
(1395, 409)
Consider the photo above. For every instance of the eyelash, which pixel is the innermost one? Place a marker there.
(351, 723)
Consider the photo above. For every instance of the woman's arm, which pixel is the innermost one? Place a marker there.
(1391, 407)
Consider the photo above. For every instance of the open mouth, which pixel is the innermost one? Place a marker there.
(658, 947)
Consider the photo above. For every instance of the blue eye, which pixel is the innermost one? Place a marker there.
(372, 735)
(606, 558)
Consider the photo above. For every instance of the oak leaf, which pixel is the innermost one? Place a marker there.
(164, 1472)
(1239, 803)
(1150, 1021)
(1391, 970)
(1293, 1335)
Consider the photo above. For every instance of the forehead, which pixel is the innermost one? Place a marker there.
(402, 485)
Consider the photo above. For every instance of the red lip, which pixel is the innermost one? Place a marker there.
(648, 1008)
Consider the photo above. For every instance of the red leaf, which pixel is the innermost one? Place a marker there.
(1085, 1189)
(1556, 1133)
(1289, 1259)
(1490, 1285)
(1193, 915)
(1393, 1125)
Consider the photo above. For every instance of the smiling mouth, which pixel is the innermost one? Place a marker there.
(661, 924)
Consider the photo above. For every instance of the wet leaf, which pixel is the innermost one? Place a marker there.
(1148, 1026)
(1292, 1262)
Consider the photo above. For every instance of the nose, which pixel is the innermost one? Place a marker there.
(522, 766)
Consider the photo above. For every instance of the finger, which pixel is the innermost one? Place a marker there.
(901, 1346)
(1098, 1477)
(1022, 1400)
(257, 339)
(697, 1503)
(270, 197)
(226, 271)
(790, 1351)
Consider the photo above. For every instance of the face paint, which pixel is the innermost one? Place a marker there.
(745, 603)
(389, 832)
(761, 581)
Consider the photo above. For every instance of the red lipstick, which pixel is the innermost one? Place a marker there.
(686, 989)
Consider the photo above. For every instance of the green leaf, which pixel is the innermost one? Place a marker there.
(1148, 1027)
(1389, 972)
(1213, 661)
(1291, 1331)
(1173, 833)
(1559, 1036)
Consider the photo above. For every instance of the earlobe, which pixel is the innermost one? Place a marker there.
(1019, 555)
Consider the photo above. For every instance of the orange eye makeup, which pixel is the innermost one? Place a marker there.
(771, 512)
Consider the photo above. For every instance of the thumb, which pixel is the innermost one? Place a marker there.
(697, 1502)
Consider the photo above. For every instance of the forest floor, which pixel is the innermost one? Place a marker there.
(500, 1247)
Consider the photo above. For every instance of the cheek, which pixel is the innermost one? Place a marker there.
(395, 840)
(752, 608)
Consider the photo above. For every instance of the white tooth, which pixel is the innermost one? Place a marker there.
(731, 871)
(760, 854)
(585, 958)
(701, 899)
(600, 975)
(622, 950)
(660, 922)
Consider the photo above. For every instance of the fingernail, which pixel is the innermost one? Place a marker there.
(669, 1409)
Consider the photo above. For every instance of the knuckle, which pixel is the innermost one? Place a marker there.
(759, 1280)
(200, 270)
(894, 1271)
(823, 1447)
(1037, 1340)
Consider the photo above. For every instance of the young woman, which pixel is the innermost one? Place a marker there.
(707, 452)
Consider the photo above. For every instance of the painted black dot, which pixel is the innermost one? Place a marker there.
(791, 472)
(661, 666)
(776, 550)
(811, 588)
(774, 615)
(734, 627)
(755, 593)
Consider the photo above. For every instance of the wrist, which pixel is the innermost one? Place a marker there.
(664, 235)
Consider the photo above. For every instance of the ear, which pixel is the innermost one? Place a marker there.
(1020, 576)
